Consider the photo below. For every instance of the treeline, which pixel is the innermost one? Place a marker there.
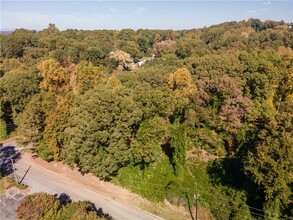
(81, 98)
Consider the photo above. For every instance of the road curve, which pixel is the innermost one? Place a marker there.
(40, 179)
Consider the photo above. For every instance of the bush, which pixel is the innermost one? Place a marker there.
(149, 182)
(42, 206)
(44, 152)
(38, 206)
(81, 210)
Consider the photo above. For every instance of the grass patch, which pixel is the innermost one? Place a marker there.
(158, 182)
(27, 150)
(7, 182)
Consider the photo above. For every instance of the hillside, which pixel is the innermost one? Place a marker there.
(166, 114)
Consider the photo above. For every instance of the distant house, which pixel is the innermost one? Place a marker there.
(142, 61)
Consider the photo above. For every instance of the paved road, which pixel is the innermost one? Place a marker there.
(40, 179)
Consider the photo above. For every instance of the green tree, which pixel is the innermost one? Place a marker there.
(178, 143)
(132, 48)
(184, 49)
(50, 30)
(150, 136)
(154, 102)
(13, 45)
(101, 131)
(31, 122)
(81, 210)
(272, 209)
(95, 55)
(18, 87)
(269, 161)
(87, 76)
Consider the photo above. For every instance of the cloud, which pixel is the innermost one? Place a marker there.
(113, 10)
(254, 11)
(139, 10)
(266, 3)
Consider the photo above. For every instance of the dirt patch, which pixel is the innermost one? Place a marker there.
(202, 212)
(177, 209)
(202, 155)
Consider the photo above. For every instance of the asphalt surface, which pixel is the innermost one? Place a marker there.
(40, 179)
(8, 205)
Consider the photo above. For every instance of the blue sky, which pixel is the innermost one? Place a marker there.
(121, 14)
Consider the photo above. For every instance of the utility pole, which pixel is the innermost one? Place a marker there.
(196, 197)
(14, 172)
(25, 174)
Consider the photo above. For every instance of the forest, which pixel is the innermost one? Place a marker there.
(166, 114)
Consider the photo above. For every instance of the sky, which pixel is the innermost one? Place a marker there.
(154, 14)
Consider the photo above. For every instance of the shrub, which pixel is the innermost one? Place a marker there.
(38, 206)
(42, 206)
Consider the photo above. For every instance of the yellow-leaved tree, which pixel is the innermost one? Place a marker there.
(182, 84)
(113, 83)
(55, 77)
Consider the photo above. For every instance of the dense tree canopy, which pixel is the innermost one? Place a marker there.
(84, 98)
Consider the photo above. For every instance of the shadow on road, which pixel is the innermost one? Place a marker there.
(8, 154)
(102, 214)
(63, 198)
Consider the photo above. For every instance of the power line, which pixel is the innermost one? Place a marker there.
(217, 197)
(202, 192)
(227, 209)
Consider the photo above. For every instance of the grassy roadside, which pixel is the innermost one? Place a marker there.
(8, 138)
(165, 212)
(7, 182)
